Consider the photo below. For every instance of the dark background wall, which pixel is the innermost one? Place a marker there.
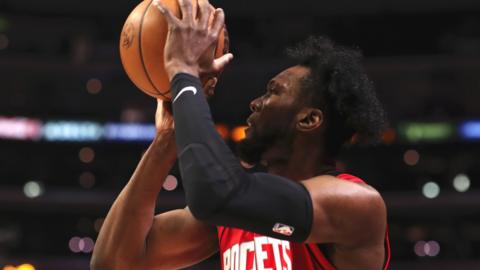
(423, 55)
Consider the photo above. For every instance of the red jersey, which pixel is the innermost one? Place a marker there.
(244, 250)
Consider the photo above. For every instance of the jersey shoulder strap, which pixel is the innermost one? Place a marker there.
(351, 178)
(346, 176)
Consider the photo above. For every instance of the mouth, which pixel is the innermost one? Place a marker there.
(250, 121)
(250, 125)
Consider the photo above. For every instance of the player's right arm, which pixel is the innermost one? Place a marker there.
(132, 237)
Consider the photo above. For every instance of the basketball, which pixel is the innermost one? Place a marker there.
(142, 43)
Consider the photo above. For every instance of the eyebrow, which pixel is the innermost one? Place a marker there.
(270, 84)
(275, 84)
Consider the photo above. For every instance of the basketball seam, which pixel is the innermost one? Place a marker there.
(141, 51)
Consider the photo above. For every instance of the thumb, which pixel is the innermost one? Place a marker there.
(220, 63)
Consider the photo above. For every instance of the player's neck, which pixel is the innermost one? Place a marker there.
(303, 161)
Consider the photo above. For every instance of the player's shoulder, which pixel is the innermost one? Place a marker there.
(348, 186)
(362, 204)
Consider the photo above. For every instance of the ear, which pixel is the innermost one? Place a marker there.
(309, 119)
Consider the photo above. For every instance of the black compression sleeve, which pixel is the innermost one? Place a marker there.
(217, 188)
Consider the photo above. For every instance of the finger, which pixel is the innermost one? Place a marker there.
(186, 9)
(218, 22)
(210, 86)
(167, 106)
(171, 19)
(205, 11)
(213, 85)
(159, 112)
(163, 105)
(212, 82)
(220, 63)
(159, 104)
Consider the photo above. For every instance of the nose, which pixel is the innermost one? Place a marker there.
(256, 105)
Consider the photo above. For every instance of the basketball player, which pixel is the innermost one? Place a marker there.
(300, 215)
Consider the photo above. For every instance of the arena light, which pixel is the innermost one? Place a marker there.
(86, 154)
(94, 86)
(470, 130)
(411, 157)
(19, 128)
(26, 266)
(419, 248)
(78, 244)
(430, 248)
(86, 244)
(388, 136)
(87, 180)
(170, 183)
(129, 132)
(461, 182)
(223, 131)
(72, 131)
(238, 133)
(97, 225)
(431, 190)
(416, 132)
(32, 189)
(74, 244)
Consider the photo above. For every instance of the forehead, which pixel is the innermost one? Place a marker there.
(291, 78)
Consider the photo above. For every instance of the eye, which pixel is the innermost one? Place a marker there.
(268, 93)
(272, 90)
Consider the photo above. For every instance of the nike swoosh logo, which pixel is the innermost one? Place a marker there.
(185, 89)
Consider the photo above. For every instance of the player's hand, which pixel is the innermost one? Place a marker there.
(163, 116)
(191, 41)
(209, 84)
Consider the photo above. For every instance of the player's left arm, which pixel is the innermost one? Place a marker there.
(353, 217)
(345, 212)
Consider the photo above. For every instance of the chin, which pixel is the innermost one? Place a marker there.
(249, 152)
(252, 148)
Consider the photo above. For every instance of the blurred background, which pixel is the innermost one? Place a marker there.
(73, 126)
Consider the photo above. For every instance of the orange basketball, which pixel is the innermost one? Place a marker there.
(142, 43)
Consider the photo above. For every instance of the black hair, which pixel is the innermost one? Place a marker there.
(338, 85)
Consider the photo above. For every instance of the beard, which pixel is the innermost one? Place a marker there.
(256, 144)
